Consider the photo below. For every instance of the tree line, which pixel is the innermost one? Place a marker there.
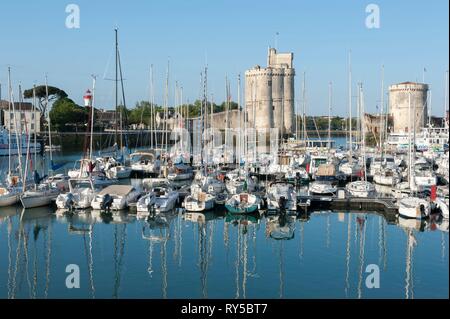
(66, 115)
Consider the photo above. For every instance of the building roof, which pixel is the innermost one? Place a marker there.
(24, 106)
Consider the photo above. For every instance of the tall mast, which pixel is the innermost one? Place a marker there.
(410, 179)
(48, 119)
(382, 110)
(238, 160)
(304, 107)
(35, 128)
(92, 116)
(116, 84)
(9, 113)
(446, 98)
(18, 141)
(350, 106)
(363, 131)
(151, 106)
(166, 105)
(330, 92)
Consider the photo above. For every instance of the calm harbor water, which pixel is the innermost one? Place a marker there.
(219, 256)
(321, 255)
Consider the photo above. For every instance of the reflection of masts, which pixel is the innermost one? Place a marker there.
(89, 260)
(443, 246)
(164, 269)
(203, 256)
(281, 270)
(25, 250)
(362, 241)
(48, 243)
(409, 280)
(244, 269)
(382, 242)
(226, 239)
(238, 242)
(302, 236)
(349, 231)
(9, 258)
(328, 231)
(118, 257)
(35, 269)
(19, 241)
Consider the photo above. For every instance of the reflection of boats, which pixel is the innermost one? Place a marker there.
(280, 227)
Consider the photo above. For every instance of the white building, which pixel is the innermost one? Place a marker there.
(27, 120)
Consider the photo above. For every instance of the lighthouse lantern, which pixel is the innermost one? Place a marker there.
(87, 98)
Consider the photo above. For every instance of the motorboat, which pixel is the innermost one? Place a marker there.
(146, 204)
(198, 200)
(80, 195)
(145, 162)
(115, 197)
(281, 197)
(360, 189)
(297, 175)
(325, 181)
(166, 199)
(387, 176)
(322, 188)
(118, 171)
(424, 177)
(414, 208)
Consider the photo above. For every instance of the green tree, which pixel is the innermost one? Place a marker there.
(54, 93)
(66, 113)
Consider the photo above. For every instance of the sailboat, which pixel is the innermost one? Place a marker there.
(10, 193)
(361, 188)
(42, 194)
(412, 207)
(243, 202)
(350, 167)
(117, 169)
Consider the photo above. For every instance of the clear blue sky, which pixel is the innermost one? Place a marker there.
(231, 36)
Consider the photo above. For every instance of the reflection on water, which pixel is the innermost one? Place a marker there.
(217, 255)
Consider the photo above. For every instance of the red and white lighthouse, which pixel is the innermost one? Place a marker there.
(87, 99)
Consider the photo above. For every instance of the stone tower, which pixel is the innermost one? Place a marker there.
(399, 105)
(269, 93)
